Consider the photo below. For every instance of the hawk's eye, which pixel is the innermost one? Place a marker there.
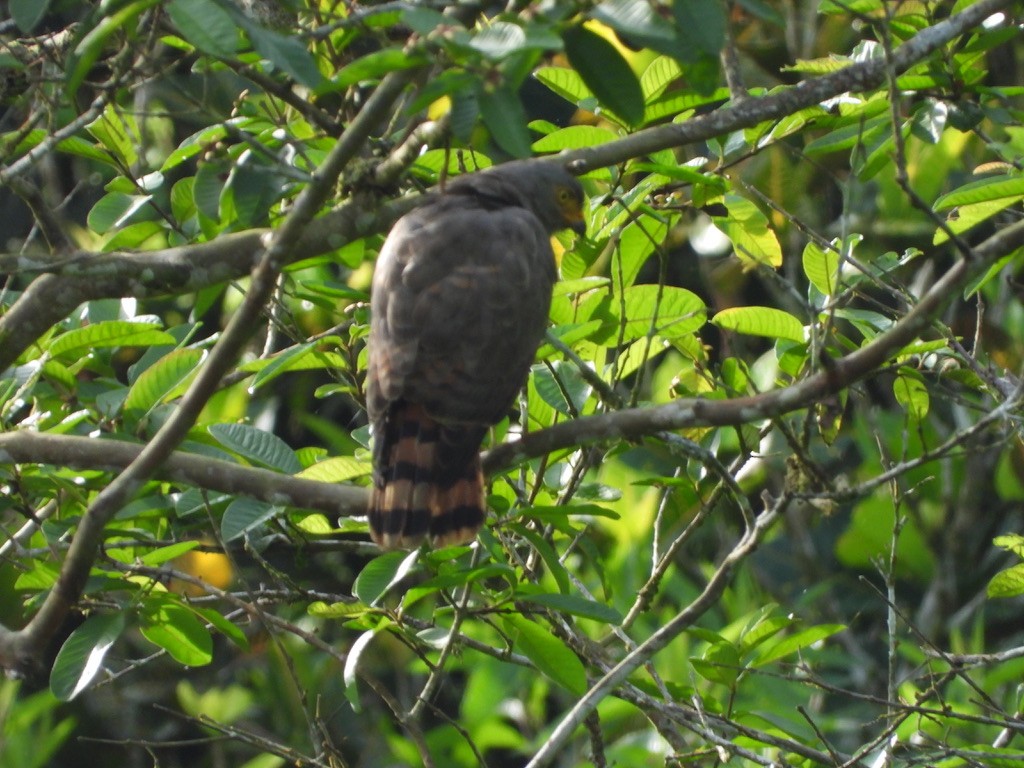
(565, 195)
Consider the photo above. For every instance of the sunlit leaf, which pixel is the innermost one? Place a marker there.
(548, 653)
(760, 321)
(605, 72)
(81, 656)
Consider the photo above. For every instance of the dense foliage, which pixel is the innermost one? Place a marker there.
(759, 504)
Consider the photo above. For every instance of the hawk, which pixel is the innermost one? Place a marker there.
(459, 304)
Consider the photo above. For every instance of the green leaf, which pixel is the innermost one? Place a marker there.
(206, 25)
(1007, 583)
(795, 642)
(605, 72)
(338, 610)
(163, 554)
(701, 25)
(81, 655)
(760, 321)
(499, 39)
(381, 573)
(28, 13)
(505, 118)
(227, 628)
(911, 392)
(575, 605)
(352, 664)
(1009, 188)
(821, 266)
(747, 227)
(110, 333)
(337, 469)
(242, 515)
(664, 311)
(289, 54)
(112, 209)
(166, 379)
(372, 66)
(554, 386)
(566, 82)
(548, 653)
(720, 663)
(257, 445)
(658, 76)
(178, 631)
(574, 137)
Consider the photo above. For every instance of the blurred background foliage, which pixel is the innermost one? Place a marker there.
(877, 624)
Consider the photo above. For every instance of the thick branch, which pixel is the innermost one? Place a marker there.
(28, 447)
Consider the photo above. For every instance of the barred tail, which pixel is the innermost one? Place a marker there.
(427, 480)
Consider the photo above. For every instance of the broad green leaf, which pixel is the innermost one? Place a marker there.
(1009, 188)
(227, 628)
(605, 72)
(575, 605)
(352, 664)
(289, 54)
(499, 39)
(720, 663)
(566, 82)
(178, 631)
(163, 554)
(164, 380)
(505, 118)
(81, 655)
(257, 445)
(639, 22)
(206, 25)
(760, 321)
(372, 66)
(911, 392)
(119, 133)
(1008, 582)
(701, 24)
(805, 638)
(1012, 542)
(27, 13)
(821, 266)
(561, 386)
(242, 515)
(302, 357)
(110, 333)
(968, 216)
(665, 311)
(381, 573)
(748, 229)
(548, 653)
(574, 137)
(658, 76)
(339, 610)
(336, 469)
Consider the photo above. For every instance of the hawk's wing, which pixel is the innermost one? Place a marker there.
(460, 300)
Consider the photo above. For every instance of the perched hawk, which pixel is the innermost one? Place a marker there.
(460, 301)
